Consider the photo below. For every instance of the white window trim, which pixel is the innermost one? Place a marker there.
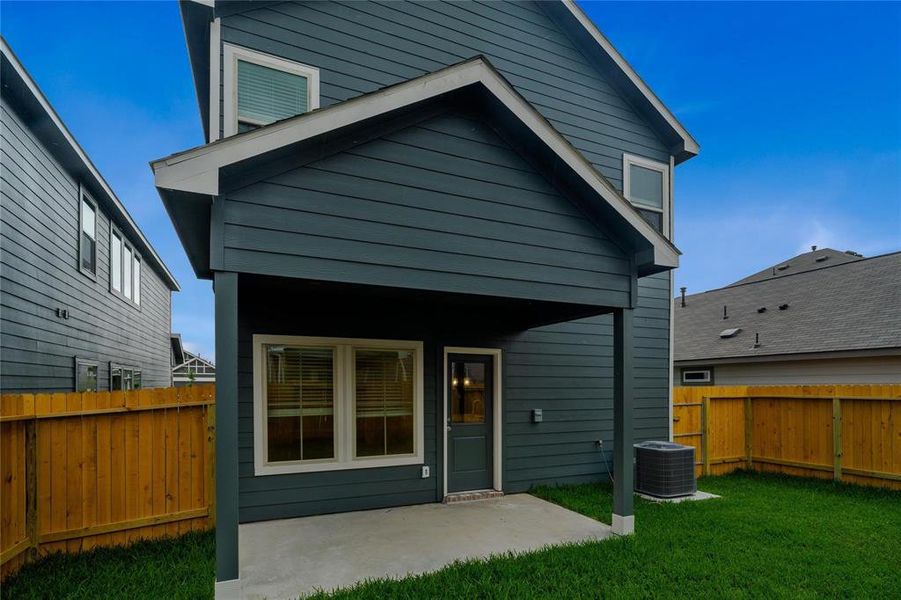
(664, 169)
(345, 431)
(706, 379)
(234, 53)
(498, 413)
(135, 257)
(84, 197)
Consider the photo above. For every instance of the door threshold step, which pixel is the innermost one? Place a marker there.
(472, 496)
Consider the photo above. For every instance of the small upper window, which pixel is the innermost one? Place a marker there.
(646, 185)
(87, 245)
(697, 376)
(261, 89)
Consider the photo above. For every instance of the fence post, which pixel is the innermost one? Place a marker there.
(705, 433)
(837, 438)
(749, 433)
(31, 488)
(211, 462)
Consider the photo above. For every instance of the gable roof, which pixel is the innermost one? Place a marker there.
(197, 172)
(851, 306)
(682, 145)
(198, 14)
(20, 88)
(807, 261)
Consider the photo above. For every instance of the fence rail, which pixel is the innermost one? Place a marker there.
(79, 470)
(846, 432)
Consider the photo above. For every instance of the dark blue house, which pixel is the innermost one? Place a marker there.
(85, 300)
(439, 235)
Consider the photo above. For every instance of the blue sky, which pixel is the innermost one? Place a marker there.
(797, 108)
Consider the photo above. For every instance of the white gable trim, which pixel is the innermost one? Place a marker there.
(197, 170)
(690, 144)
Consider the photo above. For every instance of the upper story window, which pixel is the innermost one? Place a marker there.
(87, 241)
(261, 89)
(646, 184)
(125, 268)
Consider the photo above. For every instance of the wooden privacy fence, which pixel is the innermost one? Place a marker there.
(845, 432)
(81, 470)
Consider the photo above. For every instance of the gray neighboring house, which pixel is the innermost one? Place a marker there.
(85, 299)
(821, 317)
(439, 240)
(191, 368)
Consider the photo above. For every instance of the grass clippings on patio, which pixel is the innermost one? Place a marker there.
(768, 537)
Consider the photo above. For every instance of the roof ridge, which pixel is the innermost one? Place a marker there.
(787, 275)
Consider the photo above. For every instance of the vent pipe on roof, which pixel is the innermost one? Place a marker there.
(682, 289)
(813, 248)
(725, 312)
(757, 340)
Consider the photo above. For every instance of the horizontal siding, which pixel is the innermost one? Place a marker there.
(39, 260)
(445, 205)
(360, 47)
(877, 369)
(565, 369)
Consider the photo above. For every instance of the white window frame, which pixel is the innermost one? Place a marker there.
(664, 169)
(135, 258)
(85, 198)
(232, 54)
(345, 405)
(706, 379)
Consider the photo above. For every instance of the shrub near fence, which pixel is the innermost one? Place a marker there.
(81, 470)
(846, 432)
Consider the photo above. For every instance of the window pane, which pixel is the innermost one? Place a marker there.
(137, 280)
(467, 392)
(88, 237)
(126, 274)
(646, 186)
(136, 379)
(266, 95)
(115, 252)
(300, 403)
(127, 381)
(384, 402)
(115, 378)
(86, 377)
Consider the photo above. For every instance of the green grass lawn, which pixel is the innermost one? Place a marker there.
(768, 536)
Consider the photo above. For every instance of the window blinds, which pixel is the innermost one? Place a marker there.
(266, 95)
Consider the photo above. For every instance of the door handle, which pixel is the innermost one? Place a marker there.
(448, 427)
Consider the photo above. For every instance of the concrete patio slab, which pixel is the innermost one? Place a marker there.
(292, 557)
(699, 495)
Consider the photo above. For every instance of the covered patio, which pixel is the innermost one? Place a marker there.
(330, 551)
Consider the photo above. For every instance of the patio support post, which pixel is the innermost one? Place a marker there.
(623, 469)
(226, 293)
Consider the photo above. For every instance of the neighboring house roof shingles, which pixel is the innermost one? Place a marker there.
(848, 306)
(808, 261)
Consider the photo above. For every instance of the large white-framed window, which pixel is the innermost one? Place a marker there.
(125, 267)
(259, 89)
(324, 404)
(646, 184)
